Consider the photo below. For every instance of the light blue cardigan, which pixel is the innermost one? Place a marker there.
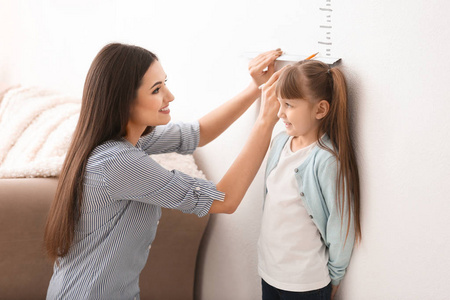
(316, 179)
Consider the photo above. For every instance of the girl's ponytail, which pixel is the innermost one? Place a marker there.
(336, 125)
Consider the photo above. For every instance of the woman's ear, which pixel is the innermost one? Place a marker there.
(323, 107)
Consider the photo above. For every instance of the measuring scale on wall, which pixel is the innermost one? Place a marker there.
(326, 26)
(324, 46)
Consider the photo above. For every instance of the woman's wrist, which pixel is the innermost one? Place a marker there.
(253, 91)
(265, 125)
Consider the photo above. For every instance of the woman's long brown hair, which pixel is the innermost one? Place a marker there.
(315, 81)
(109, 90)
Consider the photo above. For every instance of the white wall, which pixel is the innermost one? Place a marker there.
(395, 57)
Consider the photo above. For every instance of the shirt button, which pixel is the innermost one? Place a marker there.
(311, 217)
(302, 194)
(296, 170)
(197, 188)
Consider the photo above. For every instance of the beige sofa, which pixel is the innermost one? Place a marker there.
(25, 271)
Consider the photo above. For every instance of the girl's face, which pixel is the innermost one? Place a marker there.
(300, 117)
(151, 106)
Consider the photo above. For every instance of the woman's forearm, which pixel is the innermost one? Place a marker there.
(242, 172)
(217, 121)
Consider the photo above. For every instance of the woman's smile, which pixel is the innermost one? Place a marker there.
(165, 110)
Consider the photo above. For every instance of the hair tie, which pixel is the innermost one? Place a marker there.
(329, 71)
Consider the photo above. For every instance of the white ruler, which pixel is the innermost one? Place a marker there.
(292, 58)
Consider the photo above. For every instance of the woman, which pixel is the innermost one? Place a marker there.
(110, 192)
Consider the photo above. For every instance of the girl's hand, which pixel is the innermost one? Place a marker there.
(334, 289)
(269, 102)
(261, 67)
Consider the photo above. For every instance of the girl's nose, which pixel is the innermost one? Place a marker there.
(280, 113)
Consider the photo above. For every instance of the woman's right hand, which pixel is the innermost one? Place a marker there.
(269, 102)
(261, 68)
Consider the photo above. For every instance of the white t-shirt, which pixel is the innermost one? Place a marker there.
(291, 254)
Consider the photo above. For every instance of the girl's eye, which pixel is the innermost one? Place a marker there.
(288, 105)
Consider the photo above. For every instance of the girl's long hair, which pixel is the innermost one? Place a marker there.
(314, 80)
(110, 88)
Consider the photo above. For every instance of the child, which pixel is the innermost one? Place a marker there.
(311, 209)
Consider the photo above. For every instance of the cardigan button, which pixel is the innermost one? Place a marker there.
(311, 217)
(302, 194)
(296, 170)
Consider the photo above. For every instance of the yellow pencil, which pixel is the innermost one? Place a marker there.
(311, 56)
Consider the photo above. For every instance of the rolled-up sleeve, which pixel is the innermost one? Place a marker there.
(131, 174)
(178, 137)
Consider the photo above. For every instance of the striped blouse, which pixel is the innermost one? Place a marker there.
(124, 190)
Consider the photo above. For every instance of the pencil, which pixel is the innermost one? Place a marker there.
(311, 56)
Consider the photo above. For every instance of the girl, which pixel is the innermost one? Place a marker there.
(311, 210)
(110, 192)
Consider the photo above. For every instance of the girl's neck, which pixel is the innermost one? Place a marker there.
(302, 141)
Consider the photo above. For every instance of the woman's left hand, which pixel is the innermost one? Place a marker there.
(261, 68)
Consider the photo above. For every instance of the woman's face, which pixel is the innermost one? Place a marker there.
(151, 106)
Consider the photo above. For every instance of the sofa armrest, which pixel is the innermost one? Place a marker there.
(25, 269)
(170, 269)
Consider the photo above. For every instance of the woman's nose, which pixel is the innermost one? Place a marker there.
(169, 97)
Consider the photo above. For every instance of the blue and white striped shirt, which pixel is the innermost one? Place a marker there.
(124, 190)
